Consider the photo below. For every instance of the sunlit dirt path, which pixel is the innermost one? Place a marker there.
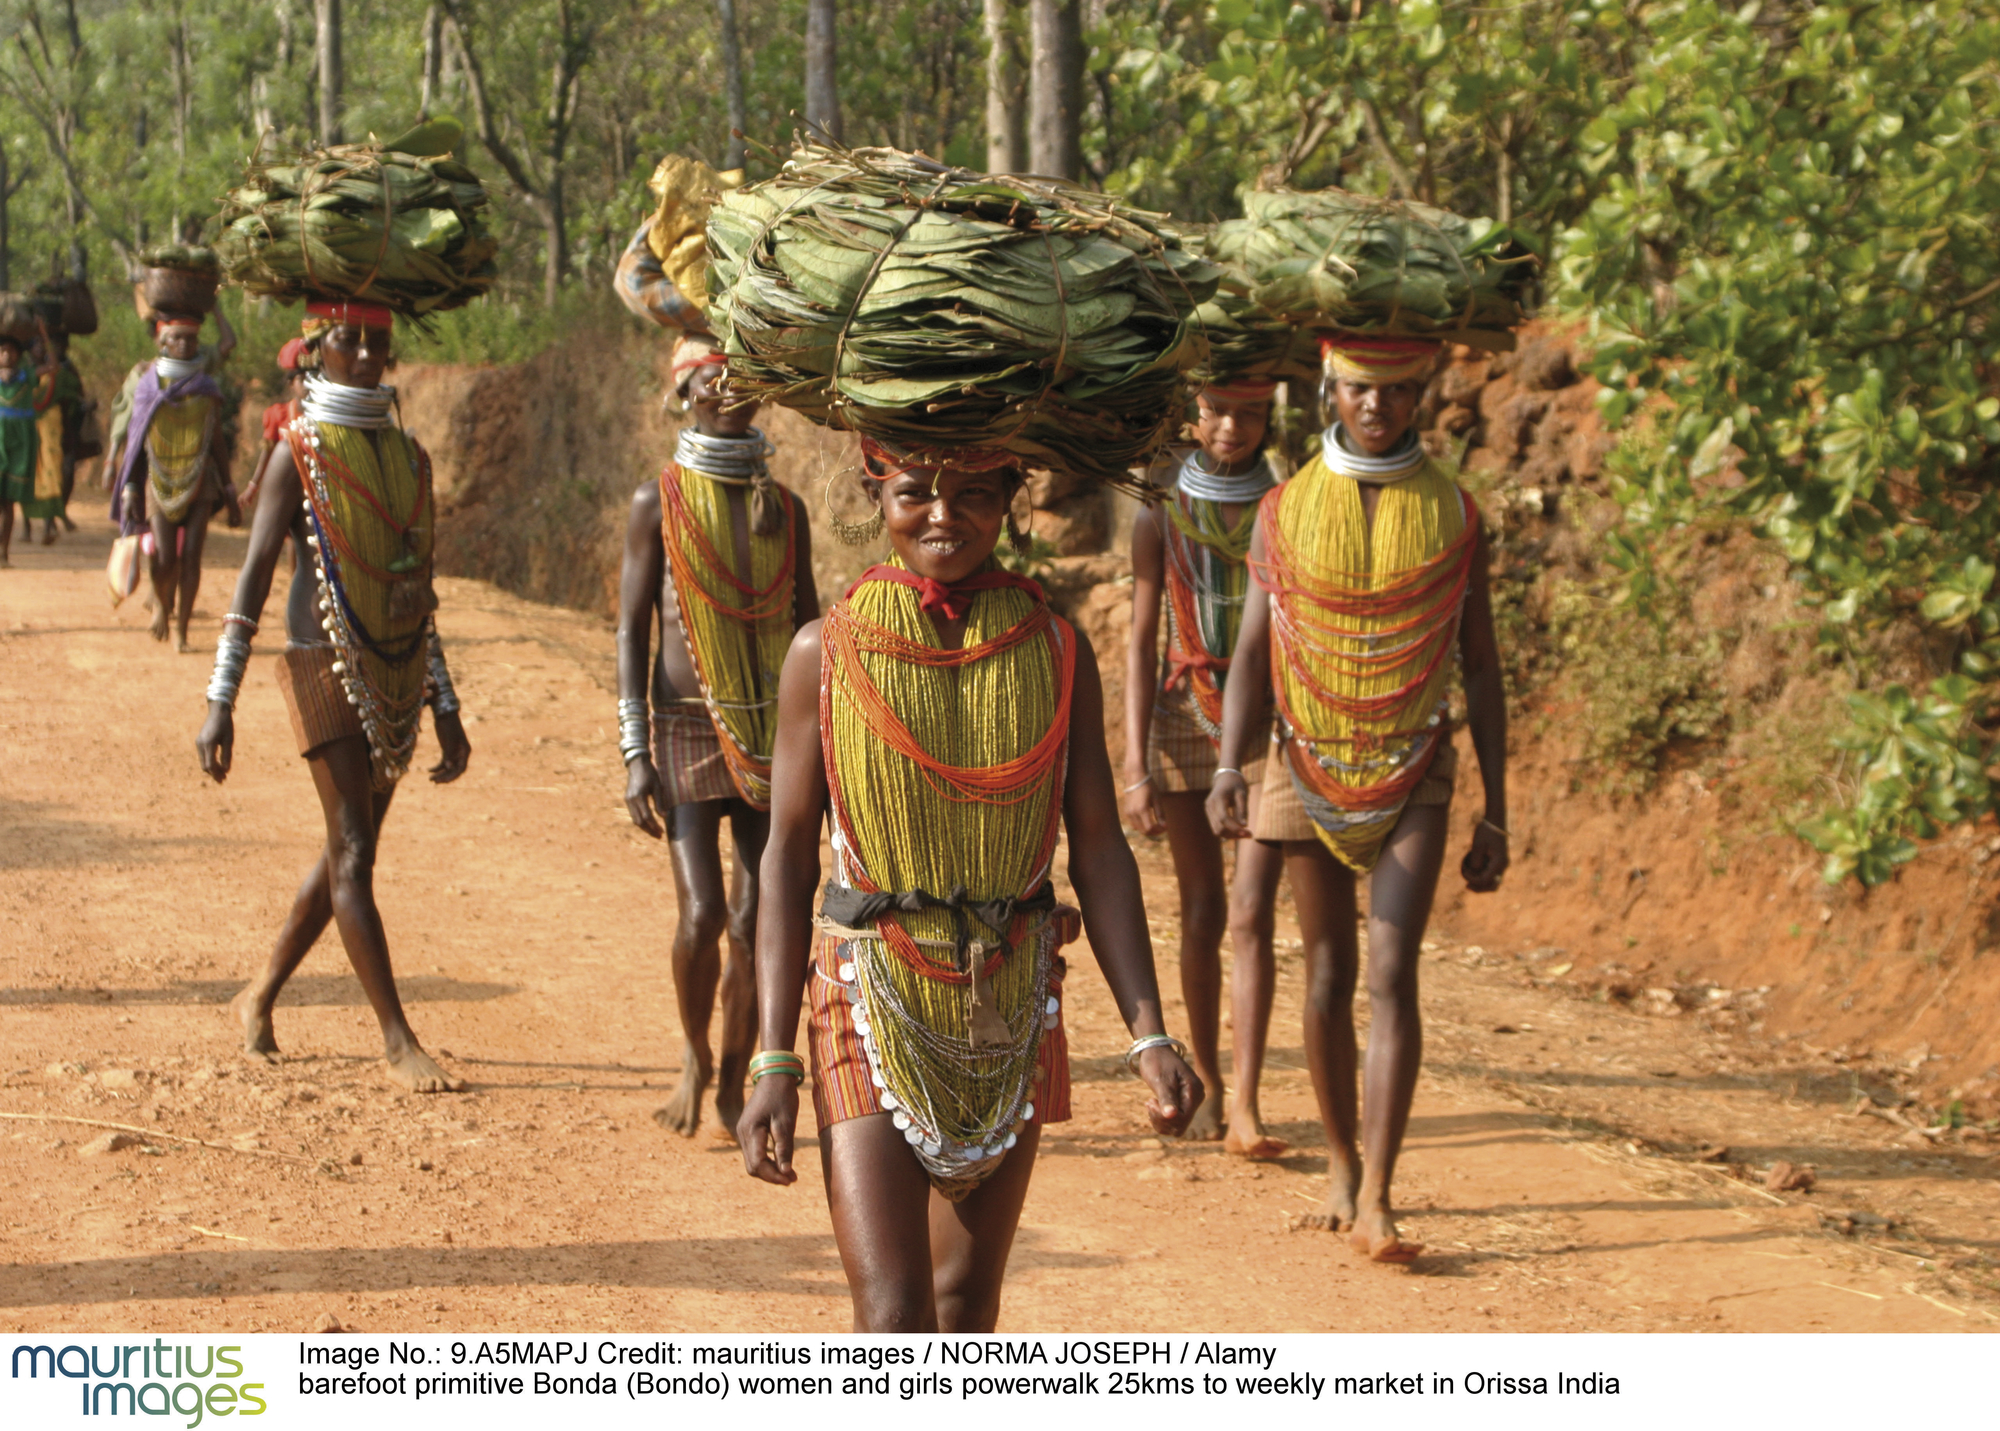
(1548, 1166)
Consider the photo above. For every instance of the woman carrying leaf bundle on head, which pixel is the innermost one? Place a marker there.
(719, 555)
(362, 656)
(1369, 585)
(949, 725)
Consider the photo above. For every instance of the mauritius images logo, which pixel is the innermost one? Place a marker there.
(190, 1383)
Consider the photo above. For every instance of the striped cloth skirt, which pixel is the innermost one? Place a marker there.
(1282, 815)
(688, 755)
(1180, 754)
(320, 710)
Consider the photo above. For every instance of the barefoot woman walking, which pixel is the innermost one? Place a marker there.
(1371, 582)
(949, 724)
(361, 658)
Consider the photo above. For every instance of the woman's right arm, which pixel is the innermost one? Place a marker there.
(638, 596)
(257, 473)
(785, 907)
(1142, 672)
(1244, 701)
(268, 531)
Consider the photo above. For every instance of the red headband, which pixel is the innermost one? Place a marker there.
(346, 310)
(957, 459)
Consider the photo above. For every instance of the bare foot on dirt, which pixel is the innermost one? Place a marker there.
(1247, 1139)
(1206, 1125)
(181, 642)
(49, 535)
(1336, 1214)
(160, 619)
(729, 1102)
(419, 1072)
(1374, 1237)
(259, 1038)
(683, 1111)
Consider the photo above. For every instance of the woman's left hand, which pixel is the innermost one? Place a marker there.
(1175, 1087)
(457, 750)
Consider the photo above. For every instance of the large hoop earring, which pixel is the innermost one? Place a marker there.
(853, 534)
(1021, 541)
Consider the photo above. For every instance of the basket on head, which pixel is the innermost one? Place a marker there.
(17, 318)
(47, 302)
(79, 308)
(177, 278)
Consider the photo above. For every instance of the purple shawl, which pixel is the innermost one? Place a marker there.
(146, 400)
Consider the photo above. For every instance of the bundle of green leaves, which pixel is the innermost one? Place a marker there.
(1245, 341)
(1333, 260)
(938, 309)
(398, 224)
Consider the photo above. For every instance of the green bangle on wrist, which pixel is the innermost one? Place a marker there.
(778, 1060)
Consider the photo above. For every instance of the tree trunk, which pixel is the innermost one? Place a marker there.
(1055, 88)
(555, 224)
(822, 74)
(433, 57)
(732, 84)
(1006, 127)
(6, 196)
(326, 14)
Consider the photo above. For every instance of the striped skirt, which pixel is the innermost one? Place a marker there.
(688, 755)
(320, 710)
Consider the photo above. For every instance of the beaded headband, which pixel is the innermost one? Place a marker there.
(1361, 358)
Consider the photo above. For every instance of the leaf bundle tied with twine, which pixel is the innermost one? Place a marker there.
(400, 224)
(936, 309)
(1308, 263)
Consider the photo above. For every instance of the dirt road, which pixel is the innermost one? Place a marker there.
(1553, 1163)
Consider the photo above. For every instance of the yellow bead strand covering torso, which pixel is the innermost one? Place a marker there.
(1334, 547)
(899, 827)
(177, 450)
(736, 641)
(374, 559)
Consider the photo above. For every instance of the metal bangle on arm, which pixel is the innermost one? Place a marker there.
(1152, 1041)
(633, 723)
(443, 698)
(232, 656)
